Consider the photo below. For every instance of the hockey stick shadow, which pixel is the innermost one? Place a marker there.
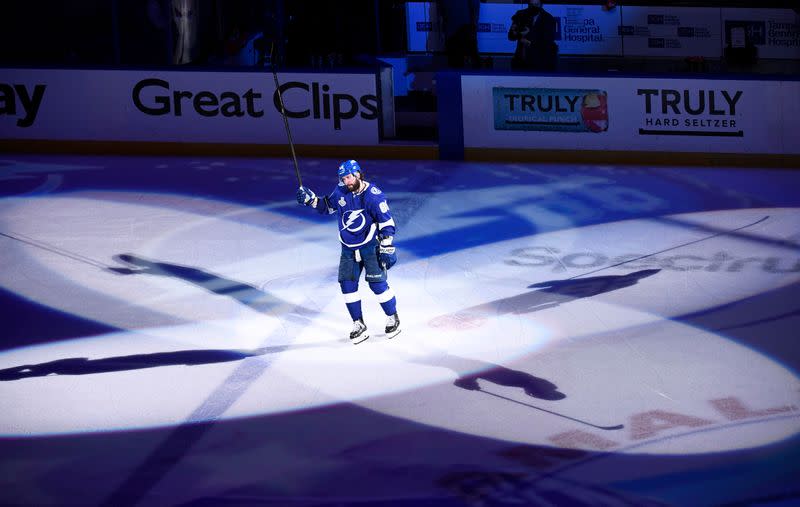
(616, 427)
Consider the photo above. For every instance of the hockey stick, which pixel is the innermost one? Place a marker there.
(722, 233)
(609, 428)
(283, 112)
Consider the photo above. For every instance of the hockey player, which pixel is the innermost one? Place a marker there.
(366, 231)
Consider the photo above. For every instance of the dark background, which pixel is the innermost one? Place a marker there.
(142, 33)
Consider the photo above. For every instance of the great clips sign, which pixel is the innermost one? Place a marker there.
(202, 107)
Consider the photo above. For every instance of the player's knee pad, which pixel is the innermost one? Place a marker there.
(378, 287)
(382, 291)
(348, 286)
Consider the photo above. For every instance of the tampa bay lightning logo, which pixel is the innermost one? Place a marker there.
(353, 220)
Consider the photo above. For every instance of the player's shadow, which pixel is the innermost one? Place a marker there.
(547, 295)
(556, 292)
(86, 366)
(246, 294)
(533, 386)
(586, 287)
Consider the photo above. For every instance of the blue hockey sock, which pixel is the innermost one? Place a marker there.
(351, 299)
(385, 296)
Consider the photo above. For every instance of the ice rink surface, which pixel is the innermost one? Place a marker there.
(174, 334)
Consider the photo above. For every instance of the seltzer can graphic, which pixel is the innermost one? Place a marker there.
(550, 109)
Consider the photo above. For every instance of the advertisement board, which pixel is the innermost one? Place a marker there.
(671, 31)
(581, 29)
(195, 107)
(775, 32)
(630, 114)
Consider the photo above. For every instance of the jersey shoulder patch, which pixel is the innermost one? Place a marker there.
(375, 190)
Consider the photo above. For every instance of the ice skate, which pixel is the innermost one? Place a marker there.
(392, 326)
(359, 332)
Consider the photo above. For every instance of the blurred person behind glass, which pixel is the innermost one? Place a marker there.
(534, 30)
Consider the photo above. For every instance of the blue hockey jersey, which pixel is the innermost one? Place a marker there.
(362, 215)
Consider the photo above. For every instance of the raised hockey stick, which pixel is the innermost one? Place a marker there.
(609, 428)
(283, 112)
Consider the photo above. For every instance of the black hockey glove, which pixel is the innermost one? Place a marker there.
(386, 253)
(306, 196)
